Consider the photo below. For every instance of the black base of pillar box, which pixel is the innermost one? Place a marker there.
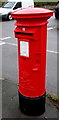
(32, 106)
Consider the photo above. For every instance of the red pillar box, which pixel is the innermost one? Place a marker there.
(31, 32)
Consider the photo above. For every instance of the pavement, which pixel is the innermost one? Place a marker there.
(10, 104)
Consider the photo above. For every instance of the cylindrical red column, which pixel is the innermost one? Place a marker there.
(31, 32)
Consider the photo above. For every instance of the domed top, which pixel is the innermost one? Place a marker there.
(32, 12)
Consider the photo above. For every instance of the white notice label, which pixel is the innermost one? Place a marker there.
(24, 48)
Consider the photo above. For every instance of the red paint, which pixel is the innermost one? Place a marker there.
(32, 69)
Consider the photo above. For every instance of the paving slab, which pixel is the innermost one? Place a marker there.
(10, 104)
